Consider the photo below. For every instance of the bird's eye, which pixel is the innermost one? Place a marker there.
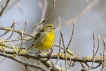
(48, 26)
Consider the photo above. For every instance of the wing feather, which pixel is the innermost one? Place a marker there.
(39, 38)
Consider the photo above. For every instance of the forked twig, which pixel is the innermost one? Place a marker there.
(12, 26)
(6, 31)
(94, 46)
(64, 49)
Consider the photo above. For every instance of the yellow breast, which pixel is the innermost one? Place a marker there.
(47, 42)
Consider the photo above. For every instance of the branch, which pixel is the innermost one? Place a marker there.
(23, 62)
(17, 31)
(90, 5)
(8, 49)
(3, 8)
(29, 54)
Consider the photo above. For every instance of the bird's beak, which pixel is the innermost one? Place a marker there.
(54, 28)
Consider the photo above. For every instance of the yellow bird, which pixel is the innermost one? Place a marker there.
(44, 40)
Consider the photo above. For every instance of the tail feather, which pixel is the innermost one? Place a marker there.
(31, 47)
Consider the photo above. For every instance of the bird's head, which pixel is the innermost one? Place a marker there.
(48, 28)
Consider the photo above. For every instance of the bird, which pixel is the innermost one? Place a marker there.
(44, 39)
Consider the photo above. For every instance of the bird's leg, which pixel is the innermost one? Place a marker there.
(51, 50)
(50, 54)
(38, 53)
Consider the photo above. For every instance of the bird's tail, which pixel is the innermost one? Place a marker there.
(30, 48)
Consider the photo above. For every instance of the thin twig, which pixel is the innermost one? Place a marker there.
(4, 33)
(4, 7)
(94, 46)
(59, 48)
(71, 63)
(17, 40)
(58, 21)
(12, 26)
(68, 51)
(11, 5)
(71, 35)
(94, 66)
(17, 31)
(25, 26)
(64, 50)
(103, 64)
(21, 40)
(61, 66)
(54, 2)
(44, 9)
(87, 1)
(98, 45)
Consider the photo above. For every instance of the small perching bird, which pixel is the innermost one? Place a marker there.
(44, 40)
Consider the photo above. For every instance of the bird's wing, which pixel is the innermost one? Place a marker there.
(39, 37)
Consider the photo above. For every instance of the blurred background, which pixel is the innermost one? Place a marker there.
(90, 17)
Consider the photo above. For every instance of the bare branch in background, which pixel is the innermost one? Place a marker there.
(44, 20)
(104, 53)
(16, 31)
(12, 5)
(20, 8)
(4, 7)
(25, 26)
(6, 31)
(90, 5)
(87, 1)
(13, 26)
(44, 9)
(71, 34)
(59, 48)
(98, 45)
(58, 21)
